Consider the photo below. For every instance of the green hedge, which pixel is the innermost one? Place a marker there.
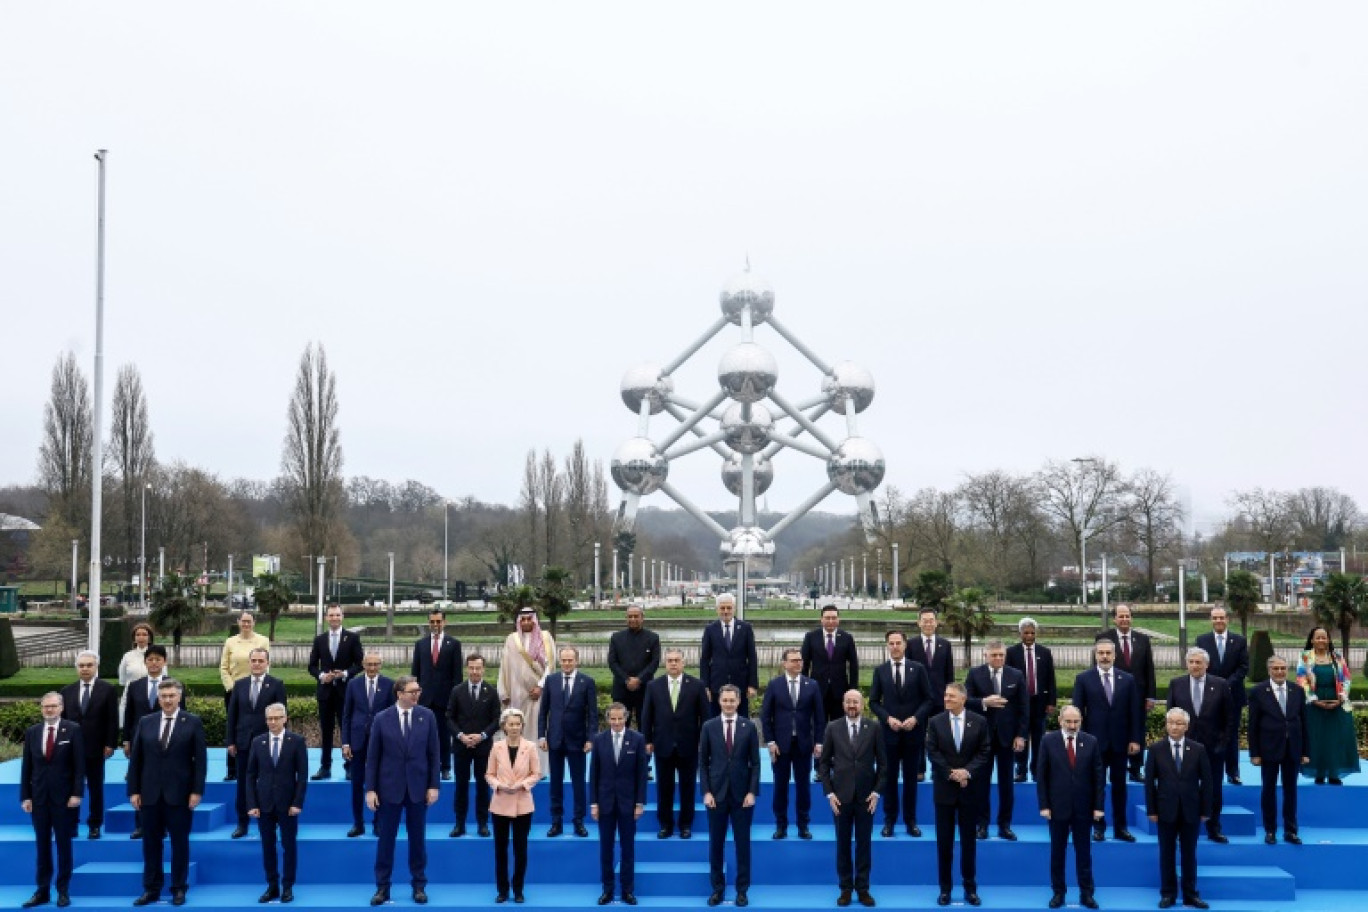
(17, 716)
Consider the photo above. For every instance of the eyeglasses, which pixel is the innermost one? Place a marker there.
(413, 691)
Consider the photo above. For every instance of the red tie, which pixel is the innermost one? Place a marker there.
(436, 649)
(1125, 650)
(729, 737)
(1030, 673)
(52, 743)
(1073, 758)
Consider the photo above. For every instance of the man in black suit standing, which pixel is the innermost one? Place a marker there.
(729, 770)
(1134, 656)
(473, 712)
(1278, 746)
(1070, 787)
(140, 699)
(166, 782)
(1229, 655)
(998, 693)
(959, 747)
(1036, 662)
(277, 778)
(93, 704)
(334, 660)
(247, 719)
(569, 721)
(633, 658)
(728, 656)
(852, 767)
(671, 721)
(1110, 703)
(1211, 714)
(901, 698)
(51, 779)
(1178, 798)
(617, 787)
(830, 659)
(937, 656)
(437, 666)
(792, 721)
(367, 694)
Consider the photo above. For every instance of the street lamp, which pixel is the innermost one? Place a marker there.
(897, 593)
(446, 536)
(1083, 550)
(598, 596)
(75, 578)
(389, 604)
(142, 549)
(878, 571)
(322, 570)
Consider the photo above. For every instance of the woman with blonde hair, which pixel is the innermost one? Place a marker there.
(514, 768)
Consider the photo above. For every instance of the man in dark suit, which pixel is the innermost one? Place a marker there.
(1178, 798)
(1229, 655)
(1211, 713)
(792, 720)
(277, 777)
(852, 767)
(140, 699)
(94, 705)
(617, 783)
(166, 782)
(830, 659)
(437, 666)
(334, 660)
(1134, 656)
(247, 719)
(729, 770)
(937, 656)
(1278, 746)
(671, 721)
(633, 658)
(959, 747)
(1036, 662)
(367, 695)
(51, 779)
(1110, 703)
(998, 693)
(1070, 788)
(901, 698)
(569, 721)
(728, 656)
(473, 714)
(402, 779)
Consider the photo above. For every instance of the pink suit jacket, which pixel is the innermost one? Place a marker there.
(523, 774)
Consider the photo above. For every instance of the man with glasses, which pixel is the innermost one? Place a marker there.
(402, 780)
(437, 666)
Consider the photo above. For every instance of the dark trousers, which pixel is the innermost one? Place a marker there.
(1229, 764)
(1035, 730)
(1135, 762)
(667, 768)
(415, 825)
(949, 819)
(1213, 823)
(729, 812)
(358, 787)
(232, 761)
(54, 823)
(267, 825)
(330, 702)
(1003, 758)
(1079, 829)
(1171, 836)
(1114, 762)
(854, 820)
(95, 780)
(621, 825)
(576, 759)
(633, 700)
(919, 745)
(159, 821)
(1270, 772)
(444, 734)
(518, 827)
(903, 755)
(833, 703)
(240, 794)
(798, 764)
(466, 760)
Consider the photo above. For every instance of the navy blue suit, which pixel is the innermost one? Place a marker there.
(100, 731)
(1072, 793)
(566, 726)
(1278, 741)
(273, 787)
(1115, 725)
(834, 675)
(331, 696)
(796, 731)
(437, 679)
(1233, 665)
(165, 780)
(617, 786)
(719, 666)
(1179, 797)
(245, 722)
(672, 732)
(957, 805)
(1005, 725)
(358, 712)
(729, 777)
(904, 749)
(1046, 695)
(940, 670)
(50, 784)
(1212, 728)
(401, 770)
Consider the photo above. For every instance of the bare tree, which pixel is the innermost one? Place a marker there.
(935, 526)
(586, 506)
(1155, 518)
(530, 504)
(551, 492)
(1265, 516)
(992, 501)
(1084, 498)
(64, 455)
(130, 451)
(312, 456)
(1324, 517)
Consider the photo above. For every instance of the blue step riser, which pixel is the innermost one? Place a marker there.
(127, 881)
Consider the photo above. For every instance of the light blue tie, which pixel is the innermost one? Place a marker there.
(956, 720)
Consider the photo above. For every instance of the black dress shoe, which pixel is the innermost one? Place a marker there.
(420, 896)
(914, 830)
(270, 894)
(1019, 777)
(457, 831)
(1099, 835)
(136, 834)
(844, 899)
(484, 830)
(1136, 777)
(323, 773)
(887, 831)
(147, 899)
(866, 899)
(287, 895)
(605, 897)
(1270, 838)
(1196, 903)
(177, 897)
(1166, 902)
(239, 832)
(231, 777)
(380, 897)
(1320, 780)
(780, 833)
(943, 899)
(629, 897)
(501, 898)
(1218, 837)
(1056, 901)
(741, 898)
(1086, 901)
(715, 899)
(972, 898)
(356, 831)
(63, 899)
(1334, 780)
(1007, 834)
(94, 833)
(804, 833)
(518, 898)
(981, 832)
(1234, 780)
(685, 833)
(556, 829)
(665, 833)
(1124, 835)
(38, 899)
(581, 829)
(1291, 837)
(446, 775)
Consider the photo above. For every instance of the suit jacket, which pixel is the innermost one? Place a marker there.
(1178, 795)
(523, 774)
(1141, 665)
(437, 680)
(1115, 725)
(837, 674)
(172, 775)
(729, 778)
(1010, 721)
(1070, 793)
(274, 788)
(1047, 690)
(718, 666)
(914, 699)
(401, 770)
(672, 731)
(1214, 727)
(618, 785)
(245, 722)
(100, 722)
(137, 704)
(973, 754)
(617, 646)
(350, 653)
(358, 714)
(852, 770)
(568, 726)
(1234, 667)
(793, 727)
(53, 782)
(941, 668)
(1273, 736)
(469, 716)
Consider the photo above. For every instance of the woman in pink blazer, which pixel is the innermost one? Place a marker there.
(513, 769)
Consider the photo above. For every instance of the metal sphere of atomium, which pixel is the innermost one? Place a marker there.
(762, 470)
(848, 380)
(646, 382)
(748, 372)
(639, 467)
(746, 289)
(747, 435)
(857, 466)
(751, 544)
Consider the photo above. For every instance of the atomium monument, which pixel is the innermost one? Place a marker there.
(740, 423)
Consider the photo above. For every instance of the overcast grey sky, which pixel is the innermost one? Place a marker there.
(487, 214)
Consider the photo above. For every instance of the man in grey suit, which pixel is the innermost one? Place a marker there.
(852, 767)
